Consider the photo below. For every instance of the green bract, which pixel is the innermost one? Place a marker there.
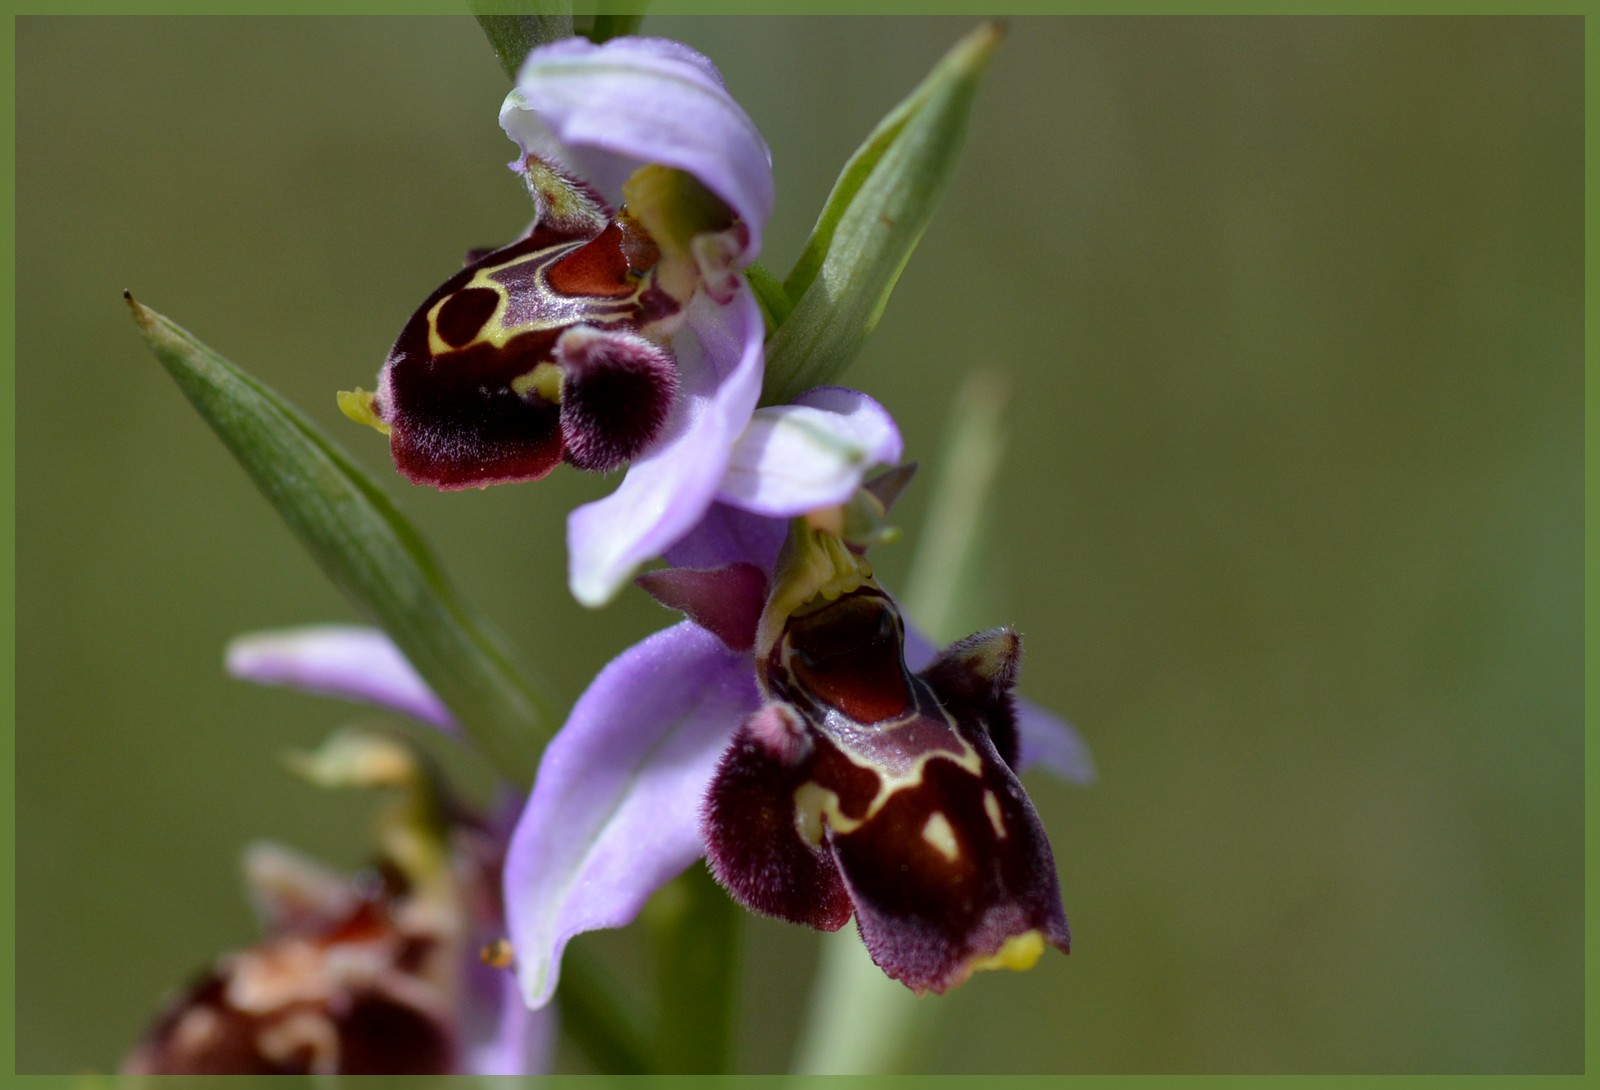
(871, 223)
(367, 547)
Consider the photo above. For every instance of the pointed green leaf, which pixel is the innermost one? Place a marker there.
(877, 212)
(515, 26)
(367, 547)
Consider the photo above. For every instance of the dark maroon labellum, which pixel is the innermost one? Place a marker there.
(543, 350)
(863, 788)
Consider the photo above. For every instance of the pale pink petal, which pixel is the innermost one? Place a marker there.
(601, 111)
(350, 662)
(813, 453)
(615, 806)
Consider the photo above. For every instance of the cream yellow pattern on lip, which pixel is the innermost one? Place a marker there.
(991, 806)
(937, 832)
(496, 333)
(815, 804)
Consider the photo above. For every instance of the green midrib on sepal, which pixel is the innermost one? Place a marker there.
(367, 547)
(878, 210)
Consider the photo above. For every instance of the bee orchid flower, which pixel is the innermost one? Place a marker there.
(619, 329)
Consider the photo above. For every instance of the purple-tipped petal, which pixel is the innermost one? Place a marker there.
(814, 453)
(728, 535)
(614, 810)
(1043, 739)
(601, 111)
(666, 491)
(1047, 740)
(345, 661)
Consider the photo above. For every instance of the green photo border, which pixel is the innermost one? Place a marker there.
(745, 7)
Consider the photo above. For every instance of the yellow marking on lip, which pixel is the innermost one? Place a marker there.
(991, 806)
(815, 806)
(544, 380)
(494, 330)
(1018, 953)
(941, 836)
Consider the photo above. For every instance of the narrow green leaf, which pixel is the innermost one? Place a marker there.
(873, 219)
(367, 547)
(515, 26)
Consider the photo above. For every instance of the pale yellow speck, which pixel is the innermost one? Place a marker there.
(938, 832)
(815, 805)
(991, 806)
(544, 380)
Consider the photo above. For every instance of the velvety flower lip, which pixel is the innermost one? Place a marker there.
(600, 111)
(861, 788)
(663, 710)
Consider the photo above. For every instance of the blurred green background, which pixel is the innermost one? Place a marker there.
(1290, 516)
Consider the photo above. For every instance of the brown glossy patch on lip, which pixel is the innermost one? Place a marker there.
(847, 654)
(597, 269)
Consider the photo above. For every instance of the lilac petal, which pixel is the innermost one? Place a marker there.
(728, 535)
(601, 111)
(814, 453)
(501, 1035)
(615, 807)
(1047, 740)
(349, 662)
(1043, 738)
(666, 492)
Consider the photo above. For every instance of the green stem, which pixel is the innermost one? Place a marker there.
(596, 1020)
(696, 931)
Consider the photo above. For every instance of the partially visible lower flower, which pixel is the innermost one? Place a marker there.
(375, 973)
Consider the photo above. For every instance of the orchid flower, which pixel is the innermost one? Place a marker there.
(377, 973)
(618, 329)
(614, 810)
